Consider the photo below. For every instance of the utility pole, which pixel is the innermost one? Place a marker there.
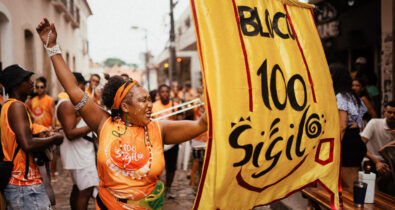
(146, 54)
(146, 59)
(172, 48)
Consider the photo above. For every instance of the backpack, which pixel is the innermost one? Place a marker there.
(6, 167)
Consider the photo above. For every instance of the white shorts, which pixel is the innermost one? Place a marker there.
(85, 178)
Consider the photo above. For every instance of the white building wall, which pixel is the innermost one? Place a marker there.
(26, 15)
(6, 39)
(185, 46)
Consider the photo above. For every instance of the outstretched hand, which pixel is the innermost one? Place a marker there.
(43, 29)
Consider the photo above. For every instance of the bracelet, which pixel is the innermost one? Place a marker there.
(46, 43)
(82, 102)
(53, 50)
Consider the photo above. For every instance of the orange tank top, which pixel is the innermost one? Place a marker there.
(95, 99)
(126, 168)
(199, 111)
(63, 95)
(41, 110)
(158, 106)
(8, 141)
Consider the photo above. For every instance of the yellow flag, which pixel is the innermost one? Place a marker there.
(273, 118)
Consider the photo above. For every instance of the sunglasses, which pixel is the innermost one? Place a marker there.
(40, 87)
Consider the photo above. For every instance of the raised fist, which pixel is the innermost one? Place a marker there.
(43, 29)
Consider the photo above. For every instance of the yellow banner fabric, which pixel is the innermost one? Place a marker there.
(273, 118)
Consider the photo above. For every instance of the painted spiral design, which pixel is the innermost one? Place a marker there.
(313, 126)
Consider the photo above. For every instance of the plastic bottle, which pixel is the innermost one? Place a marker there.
(370, 179)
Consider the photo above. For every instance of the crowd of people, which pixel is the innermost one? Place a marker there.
(108, 141)
(363, 135)
(115, 151)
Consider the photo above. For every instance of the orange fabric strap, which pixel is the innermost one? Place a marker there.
(121, 93)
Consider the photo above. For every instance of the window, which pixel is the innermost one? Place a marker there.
(187, 22)
(29, 51)
(179, 31)
(72, 7)
(74, 64)
(64, 3)
(85, 47)
(77, 13)
(67, 58)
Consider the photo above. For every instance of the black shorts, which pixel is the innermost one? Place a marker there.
(353, 148)
(171, 156)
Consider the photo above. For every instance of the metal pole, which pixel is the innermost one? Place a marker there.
(172, 53)
(146, 59)
(146, 56)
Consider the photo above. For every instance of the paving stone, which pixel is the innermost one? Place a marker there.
(184, 195)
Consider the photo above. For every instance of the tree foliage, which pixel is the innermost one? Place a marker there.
(110, 62)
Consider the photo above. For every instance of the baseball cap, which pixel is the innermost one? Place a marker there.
(361, 60)
(13, 75)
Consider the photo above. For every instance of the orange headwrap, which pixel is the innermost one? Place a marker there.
(121, 93)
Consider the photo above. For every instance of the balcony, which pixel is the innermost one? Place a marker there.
(62, 6)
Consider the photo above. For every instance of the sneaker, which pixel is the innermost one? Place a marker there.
(169, 194)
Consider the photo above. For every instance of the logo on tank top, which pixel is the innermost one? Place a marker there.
(133, 160)
(38, 112)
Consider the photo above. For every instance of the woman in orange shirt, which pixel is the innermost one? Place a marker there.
(130, 156)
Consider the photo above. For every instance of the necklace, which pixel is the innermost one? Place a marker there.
(130, 158)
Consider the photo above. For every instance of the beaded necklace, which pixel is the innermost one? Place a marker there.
(142, 171)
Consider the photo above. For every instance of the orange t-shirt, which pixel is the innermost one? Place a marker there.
(95, 99)
(158, 106)
(199, 111)
(8, 141)
(117, 165)
(63, 95)
(41, 110)
(1, 99)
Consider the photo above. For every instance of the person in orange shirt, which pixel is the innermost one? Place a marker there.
(164, 102)
(198, 145)
(171, 153)
(42, 106)
(25, 187)
(63, 95)
(42, 110)
(130, 156)
(1, 95)
(92, 89)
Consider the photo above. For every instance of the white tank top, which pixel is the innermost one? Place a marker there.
(79, 153)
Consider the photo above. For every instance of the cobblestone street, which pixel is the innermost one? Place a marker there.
(184, 193)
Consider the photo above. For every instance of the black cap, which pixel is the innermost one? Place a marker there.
(80, 79)
(13, 75)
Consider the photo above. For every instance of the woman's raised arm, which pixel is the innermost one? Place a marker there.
(93, 114)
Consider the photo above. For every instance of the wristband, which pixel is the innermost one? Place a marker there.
(53, 50)
(82, 102)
